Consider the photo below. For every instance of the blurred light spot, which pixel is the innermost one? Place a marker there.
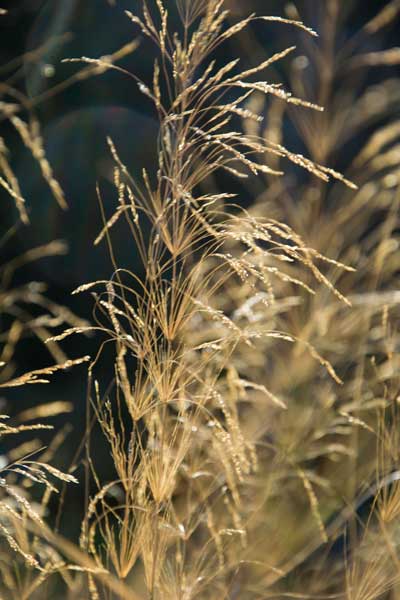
(301, 62)
(48, 70)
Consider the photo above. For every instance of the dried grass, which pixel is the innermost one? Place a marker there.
(252, 413)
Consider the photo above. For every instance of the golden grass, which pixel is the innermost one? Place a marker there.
(253, 406)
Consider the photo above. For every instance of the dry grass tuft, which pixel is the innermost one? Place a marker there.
(252, 415)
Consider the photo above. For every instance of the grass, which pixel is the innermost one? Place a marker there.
(252, 416)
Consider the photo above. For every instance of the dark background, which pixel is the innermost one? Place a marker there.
(75, 123)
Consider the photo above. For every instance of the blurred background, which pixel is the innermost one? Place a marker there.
(77, 116)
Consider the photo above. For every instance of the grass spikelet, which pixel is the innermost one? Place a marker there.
(30, 135)
(28, 558)
(298, 24)
(11, 184)
(314, 504)
(34, 377)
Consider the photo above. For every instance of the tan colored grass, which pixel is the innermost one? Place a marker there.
(252, 356)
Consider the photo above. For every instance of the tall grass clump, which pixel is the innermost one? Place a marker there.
(177, 416)
(332, 444)
(245, 384)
